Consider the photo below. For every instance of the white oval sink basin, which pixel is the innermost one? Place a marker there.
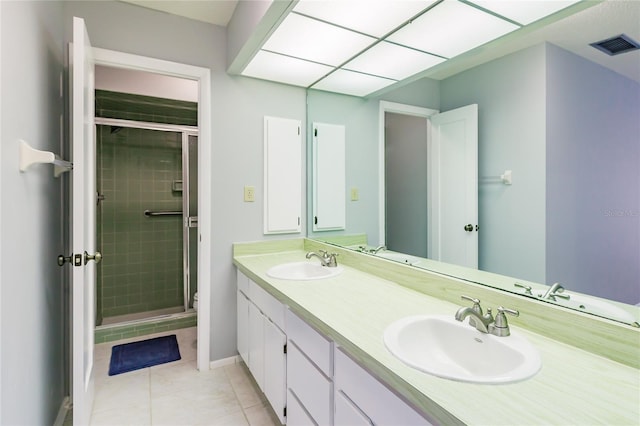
(303, 271)
(444, 347)
(596, 306)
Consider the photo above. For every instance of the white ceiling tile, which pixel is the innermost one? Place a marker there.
(524, 11)
(392, 61)
(373, 17)
(316, 41)
(284, 69)
(352, 83)
(452, 28)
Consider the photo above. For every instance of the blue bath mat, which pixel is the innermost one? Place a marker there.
(143, 354)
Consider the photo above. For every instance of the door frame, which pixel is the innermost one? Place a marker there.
(202, 75)
(397, 108)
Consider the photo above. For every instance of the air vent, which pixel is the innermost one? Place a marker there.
(616, 45)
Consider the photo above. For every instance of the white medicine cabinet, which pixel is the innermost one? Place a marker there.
(282, 175)
(329, 172)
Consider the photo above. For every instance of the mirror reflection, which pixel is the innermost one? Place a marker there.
(566, 127)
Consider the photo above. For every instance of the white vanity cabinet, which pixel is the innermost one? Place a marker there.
(309, 374)
(360, 399)
(262, 340)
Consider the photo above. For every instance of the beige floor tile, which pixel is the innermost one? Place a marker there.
(261, 415)
(139, 415)
(123, 390)
(185, 409)
(244, 385)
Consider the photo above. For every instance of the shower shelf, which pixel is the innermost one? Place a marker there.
(30, 156)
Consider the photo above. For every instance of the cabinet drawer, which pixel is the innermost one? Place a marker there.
(269, 305)
(373, 398)
(242, 281)
(310, 386)
(317, 347)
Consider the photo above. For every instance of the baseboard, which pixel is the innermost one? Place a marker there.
(62, 412)
(225, 361)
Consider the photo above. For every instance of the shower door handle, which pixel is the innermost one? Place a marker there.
(97, 257)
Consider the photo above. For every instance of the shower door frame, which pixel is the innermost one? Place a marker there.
(185, 132)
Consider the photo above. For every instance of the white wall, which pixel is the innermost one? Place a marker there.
(32, 346)
(593, 178)
(238, 107)
(510, 93)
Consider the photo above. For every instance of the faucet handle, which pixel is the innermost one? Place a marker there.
(476, 303)
(501, 325)
(527, 288)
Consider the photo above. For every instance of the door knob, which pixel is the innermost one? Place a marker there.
(97, 257)
(468, 228)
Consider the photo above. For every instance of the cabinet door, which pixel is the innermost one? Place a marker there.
(282, 175)
(275, 364)
(243, 326)
(256, 345)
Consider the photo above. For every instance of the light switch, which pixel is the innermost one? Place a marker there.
(354, 194)
(249, 194)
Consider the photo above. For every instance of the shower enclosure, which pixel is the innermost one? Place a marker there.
(147, 219)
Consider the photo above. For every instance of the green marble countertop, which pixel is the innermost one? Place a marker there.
(574, 386)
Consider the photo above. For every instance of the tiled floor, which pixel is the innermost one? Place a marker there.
(176, 393)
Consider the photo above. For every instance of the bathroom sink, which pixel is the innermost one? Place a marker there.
(444, 347)
(399, 257)
(596, 306)
(303, 271)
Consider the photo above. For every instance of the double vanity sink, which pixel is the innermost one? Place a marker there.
(440, 345)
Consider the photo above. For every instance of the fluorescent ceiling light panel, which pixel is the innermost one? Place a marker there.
(373, 17)
(452, 28)
(392, 61)
(524, 11)
(316, 41)
(352, 83)
(274, 67)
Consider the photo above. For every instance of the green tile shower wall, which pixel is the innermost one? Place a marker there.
(142, 266)
(134, 330)
(145, 108)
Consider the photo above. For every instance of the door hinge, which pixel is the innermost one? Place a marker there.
(298, 130)
(315, 220)
(284, 348)
(284, 411)
(315, 132)
(298, 220)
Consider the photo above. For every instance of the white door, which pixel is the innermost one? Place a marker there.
(453, 230)
(275, 368)
(83, 228)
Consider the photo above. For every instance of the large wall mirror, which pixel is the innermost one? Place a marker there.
(567, 129)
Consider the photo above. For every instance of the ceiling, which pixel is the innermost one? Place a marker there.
(573, 33)
(217, 12)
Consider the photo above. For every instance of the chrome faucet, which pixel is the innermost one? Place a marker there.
(377, 249)
(326, 259)
(555, 291)
(477, 320)
(497, 326)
